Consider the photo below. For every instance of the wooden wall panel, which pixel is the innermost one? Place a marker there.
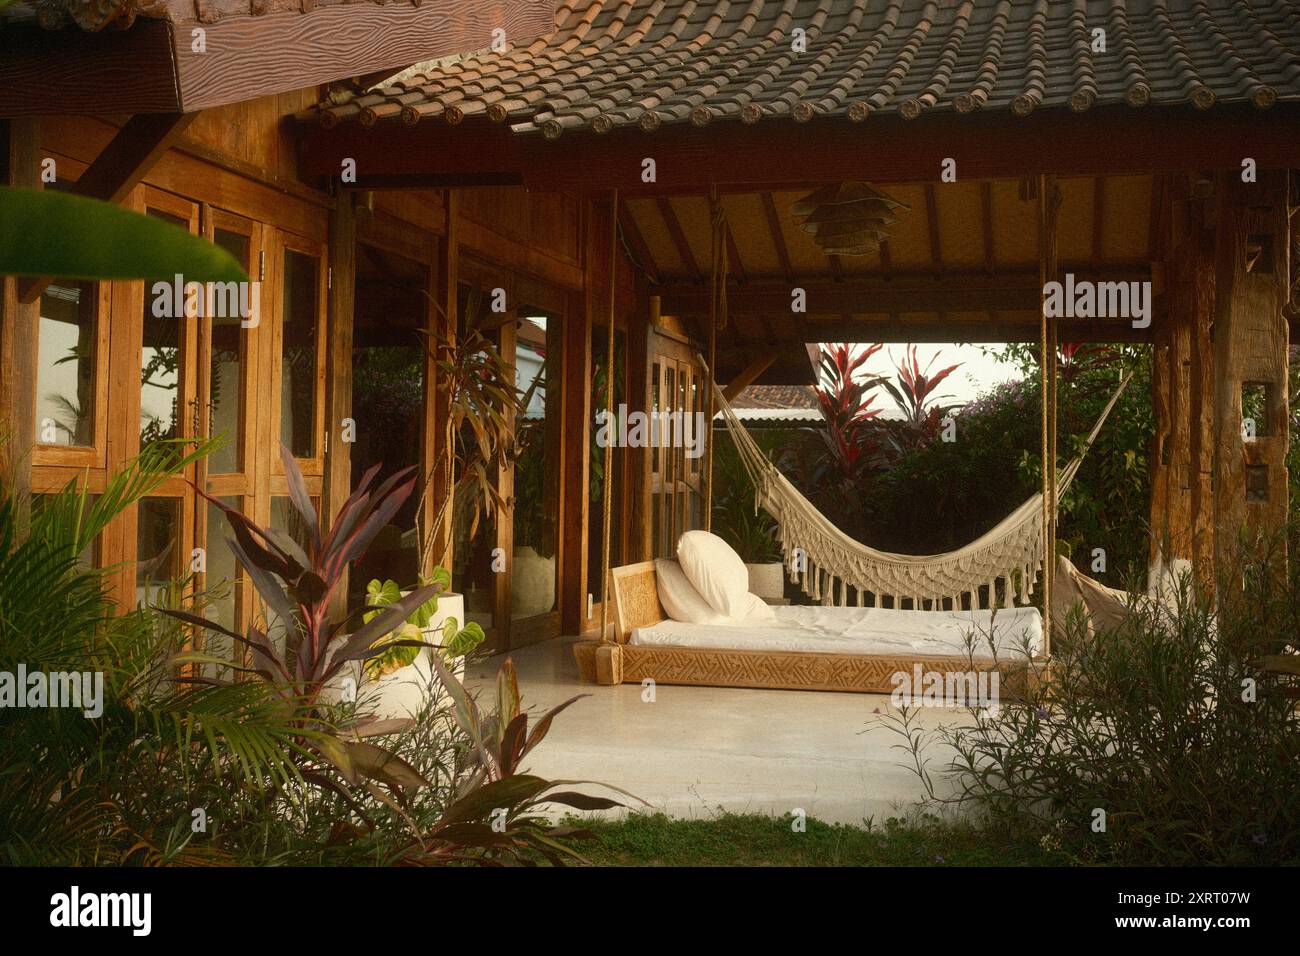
(1250, 346)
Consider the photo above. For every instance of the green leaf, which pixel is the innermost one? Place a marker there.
(47, 233)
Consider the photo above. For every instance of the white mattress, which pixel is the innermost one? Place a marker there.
(862, 630)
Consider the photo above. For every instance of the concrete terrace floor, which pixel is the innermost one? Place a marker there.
(697, 750)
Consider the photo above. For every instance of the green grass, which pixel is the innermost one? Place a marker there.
(755, 840)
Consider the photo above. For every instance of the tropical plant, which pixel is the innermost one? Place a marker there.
(475, 385)
(736, 518)
(852, 442)
(1172, 738)
(456, 641)
(914, 394)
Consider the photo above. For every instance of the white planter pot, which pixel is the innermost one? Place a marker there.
(403, 692)
(767, 580)
(532, 583)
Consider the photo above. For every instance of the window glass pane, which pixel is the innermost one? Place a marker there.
(225, 388)
(157, 548)
(298, 354)
(160, 364)
(536, 493)
(65, 369)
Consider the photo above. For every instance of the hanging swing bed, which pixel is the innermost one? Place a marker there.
(876, 614)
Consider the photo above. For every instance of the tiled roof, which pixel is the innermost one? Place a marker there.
(648, 63)
(783, 397)
(95, 15)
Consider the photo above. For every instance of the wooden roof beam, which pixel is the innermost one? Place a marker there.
(857, 296)
(637, 241)
(678, 236)
(778, 238)
(748, 376)
(898, 331)
(117, 170)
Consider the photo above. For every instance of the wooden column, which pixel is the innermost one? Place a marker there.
(1158, 515)
(19, 324)
(338, 381)
(1252, 266)
(1183, 529)
(640, 371)
(575, 461)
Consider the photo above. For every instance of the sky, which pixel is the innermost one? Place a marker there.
(978, 372)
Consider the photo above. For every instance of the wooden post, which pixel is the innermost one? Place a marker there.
(576, 467)
(341, 300)
(639, 390)
(19, 324)
(1252, 265)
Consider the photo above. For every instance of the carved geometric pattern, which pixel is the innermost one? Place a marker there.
(787, 670)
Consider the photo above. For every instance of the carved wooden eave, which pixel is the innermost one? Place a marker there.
(108, 57)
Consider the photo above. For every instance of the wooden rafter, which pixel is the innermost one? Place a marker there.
(637, 241)
(886, 261)
(678, 236)
(733, 255)
(1098, 215)
(986, 223)
(748, 376)
(932, 220)
(778, 239)
(119, 168)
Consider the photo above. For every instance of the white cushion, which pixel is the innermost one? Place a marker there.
(759, 610)
(679, 597)
(716, 571)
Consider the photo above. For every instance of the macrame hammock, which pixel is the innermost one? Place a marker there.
(1009, 555)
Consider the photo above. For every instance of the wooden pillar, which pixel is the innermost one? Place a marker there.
(338, 382)
(575, 464)
(640, 388)
(19, 325)
(1252, 266)
(1182, 528)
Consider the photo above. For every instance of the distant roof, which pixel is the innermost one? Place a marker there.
(648, 63)
(777, 403)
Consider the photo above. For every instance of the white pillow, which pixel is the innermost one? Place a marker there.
(716, 571)
(679, 597)
(759, 610)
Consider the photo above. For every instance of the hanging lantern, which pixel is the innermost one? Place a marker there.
(847, 219)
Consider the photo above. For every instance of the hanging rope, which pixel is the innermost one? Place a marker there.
(607, 483)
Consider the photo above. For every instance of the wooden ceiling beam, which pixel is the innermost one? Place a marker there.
(986, 223)
(118, 169)
(898, 331)
(859, 295)
(637, 241)
(748, 376)
(932, 224)
(1098, 216)
(778, 238)
(678, 236)
(733, 255)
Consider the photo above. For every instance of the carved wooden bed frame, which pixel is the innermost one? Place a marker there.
(636, 604)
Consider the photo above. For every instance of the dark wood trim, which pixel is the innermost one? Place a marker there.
(749, 376)
(896, 330)
(857, 296)
(119, 167)
(73, 71)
